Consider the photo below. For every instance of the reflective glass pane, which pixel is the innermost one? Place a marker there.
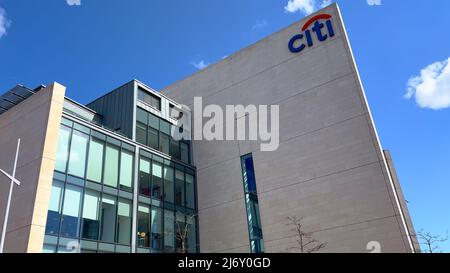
(142, 116)
(91, 220)
(157, 181)
(190, 191)
(95, 160)
(191, 240)
(157, 230)
(141, 133)
(164, 143)
(124, 222)
(179, 188)
(54, 209)
(126, 170)
(184, 150)
(180, 228)
(143, 226)
(77, 158)
(168, 184)
(251, 202)
(164, 127)
(169, 231)
(153, 121)
(108, 219)
(71, 211)
(63, 149)
(144, 177)
(152, 138)
(111, 166)
(175, 149)
(49, 249)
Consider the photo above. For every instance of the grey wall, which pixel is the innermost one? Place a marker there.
(117, 109)
(329, 167)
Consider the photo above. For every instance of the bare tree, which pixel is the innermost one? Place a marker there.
(431, 241)
(182, 233)
(305, 240)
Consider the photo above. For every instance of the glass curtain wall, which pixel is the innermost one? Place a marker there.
(91, 206)
(91, 196)
(155, 132)
(172, 192)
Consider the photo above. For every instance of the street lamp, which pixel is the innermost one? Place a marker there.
(13, 180)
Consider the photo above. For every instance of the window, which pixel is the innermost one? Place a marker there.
(143, 226)
(190, 191)
(156, 229)
(91, 220)
(124, 222)
(169, 231)
(164, 127)
(142, 116)
(175, 149)
(153, 121)
(111, 166)
(141, 133)
(251, 204)
(180, 227)
(164, 143)
(77, 158)
(168, 184)
(49, 249)
(63, 149)
(253, 216)
(54, 209)
(83, 210)
(184, 150)
(126, 171)
(152, 138)
(249, 174)
(108, 219)
(179, 188)
(95, 160)
(157, 181)
(149, 99)
(144, 177)
(191, 241)
(71, 212)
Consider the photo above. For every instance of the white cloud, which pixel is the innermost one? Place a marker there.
(73, 2)
(309, 6)
(4, 22)
(432, 88)
(200, 65)
(326, 3)
(306, 6)
(374, 2)
(260, 24)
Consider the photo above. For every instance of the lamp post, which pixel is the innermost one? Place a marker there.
(13, 180)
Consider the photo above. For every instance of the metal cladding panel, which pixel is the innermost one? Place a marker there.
(116, 107)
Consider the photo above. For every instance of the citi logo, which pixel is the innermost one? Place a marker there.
(297, 43)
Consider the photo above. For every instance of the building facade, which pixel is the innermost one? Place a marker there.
(330, 167)
(111, 176)
(115, 180)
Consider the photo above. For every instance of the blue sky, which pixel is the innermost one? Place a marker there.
(98, 45)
